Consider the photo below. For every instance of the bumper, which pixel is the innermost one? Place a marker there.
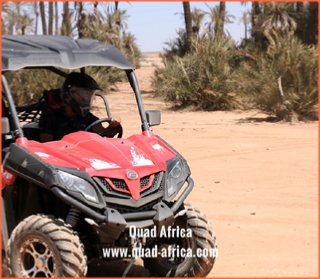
(114, 223)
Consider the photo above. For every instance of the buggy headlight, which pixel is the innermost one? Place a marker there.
(79, 185)
(174, 178)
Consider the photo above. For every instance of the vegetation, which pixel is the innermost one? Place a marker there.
(201, 79)
(283, 81)
(109, 27)
(27, 86)
(274, 68)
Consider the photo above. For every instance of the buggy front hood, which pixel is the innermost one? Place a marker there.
(104, 157)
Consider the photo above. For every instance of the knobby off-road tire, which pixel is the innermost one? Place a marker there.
(42, 246)
(203, 237)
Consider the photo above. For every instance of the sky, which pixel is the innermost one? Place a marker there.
(154, 23)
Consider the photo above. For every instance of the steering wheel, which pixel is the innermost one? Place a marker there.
(110, 134)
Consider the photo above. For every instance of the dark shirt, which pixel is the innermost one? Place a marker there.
(58, 124)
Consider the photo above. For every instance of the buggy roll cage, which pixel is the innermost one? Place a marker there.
(52, 51)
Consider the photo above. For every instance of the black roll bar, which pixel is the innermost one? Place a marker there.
(134, 84)
(18, 132)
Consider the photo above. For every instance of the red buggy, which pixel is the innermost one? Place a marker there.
(66, 202)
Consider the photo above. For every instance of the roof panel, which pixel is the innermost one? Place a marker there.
(20, 51)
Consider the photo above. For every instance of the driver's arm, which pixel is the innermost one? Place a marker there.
(98, 128)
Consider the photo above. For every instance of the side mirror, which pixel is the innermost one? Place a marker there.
(5, 126)
(153, 117)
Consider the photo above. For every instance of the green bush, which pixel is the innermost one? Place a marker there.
(283, 82)
(200, 80)
(27, 86)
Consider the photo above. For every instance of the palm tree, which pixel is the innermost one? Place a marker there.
(81, 18)
(21, 23)
(313, 23)
(218, 17)
(128, 41)
(120, 16)
(213, 18)
(43, 18)
(197, 16)
(110, 29)
(256, 35)
(18, 7)
(56, 12)
(5, 7)
(50, 22)
(299, 18)
(276, 18)
(24, 24)
(188, 24)
(8, 18)
(218, 27)
(66, 26)
(34, 6)
(245, 19)
(96, 14)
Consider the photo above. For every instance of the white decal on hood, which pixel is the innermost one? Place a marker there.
(139, 160)
(43, 155)
(100, 165)
(158, 147)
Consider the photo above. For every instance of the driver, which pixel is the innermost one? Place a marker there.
(77, 92)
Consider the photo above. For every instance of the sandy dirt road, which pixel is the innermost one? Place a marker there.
(256, 181)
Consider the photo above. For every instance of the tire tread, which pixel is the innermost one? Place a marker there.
(73, 259)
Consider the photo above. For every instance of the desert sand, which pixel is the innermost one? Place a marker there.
(256, 181)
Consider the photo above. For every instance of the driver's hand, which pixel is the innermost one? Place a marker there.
(115, 121)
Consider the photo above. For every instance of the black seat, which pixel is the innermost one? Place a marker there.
(52, 100)
(48, 101)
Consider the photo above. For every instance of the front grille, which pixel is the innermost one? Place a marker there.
(144, 181)
(107, 190)
(119, 183)
(109, 186)
(157, 184)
